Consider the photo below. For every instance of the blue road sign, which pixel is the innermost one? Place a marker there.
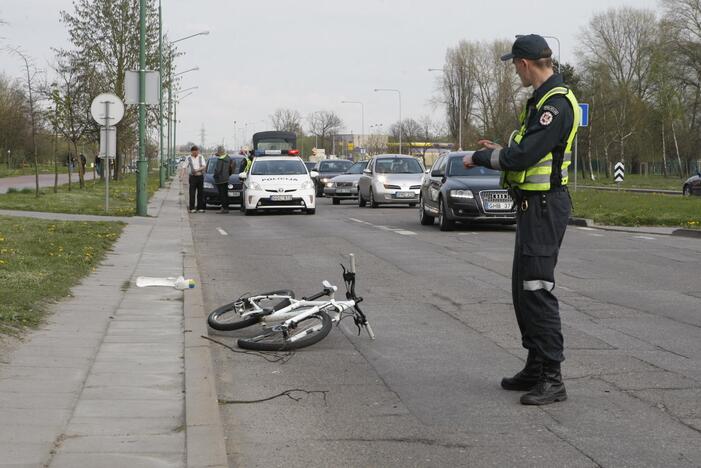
(584, 122)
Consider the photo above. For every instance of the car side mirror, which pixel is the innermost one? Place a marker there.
(367, 171)
(243, 176)
(314, 174)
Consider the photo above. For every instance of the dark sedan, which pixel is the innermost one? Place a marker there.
(451, 193)
(692, 185)
(211, 196)
(328, 169)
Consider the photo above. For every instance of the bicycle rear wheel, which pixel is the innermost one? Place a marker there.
(226, 318)
(309, 331)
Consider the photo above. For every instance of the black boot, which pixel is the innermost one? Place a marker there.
(549, 388)
(528, 377)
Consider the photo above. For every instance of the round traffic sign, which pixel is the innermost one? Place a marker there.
(107, 109)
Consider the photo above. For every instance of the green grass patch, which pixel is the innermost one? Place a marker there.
(636, 181)
(637, 209)
(90, 200)
(41, 260)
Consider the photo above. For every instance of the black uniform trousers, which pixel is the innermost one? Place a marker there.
(196, 190)
(223, 195)
(541, 222)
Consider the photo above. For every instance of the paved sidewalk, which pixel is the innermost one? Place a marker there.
(103, 383)
(45, 180)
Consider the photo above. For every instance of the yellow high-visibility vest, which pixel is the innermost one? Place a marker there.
(537, 177)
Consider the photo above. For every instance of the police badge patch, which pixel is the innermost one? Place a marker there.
(546, 119)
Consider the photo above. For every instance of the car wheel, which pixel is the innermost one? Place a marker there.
(373, 203)
(443, 221)
(336, 201)
(361, 201)
(686, 191)
(311, 211)
(248, 212)
(424, 219)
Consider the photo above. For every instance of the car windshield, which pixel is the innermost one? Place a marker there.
(336, 165)
(357, 168)
(310, 165)
(457, 169)
(274, 144)
(398, 166)
(262, 166)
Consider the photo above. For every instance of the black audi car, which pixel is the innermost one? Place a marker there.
(451, 193)
(328, 169)
(211, 195)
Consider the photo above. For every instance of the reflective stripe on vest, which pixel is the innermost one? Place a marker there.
(537, 177)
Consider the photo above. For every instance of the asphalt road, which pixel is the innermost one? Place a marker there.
(426, 391)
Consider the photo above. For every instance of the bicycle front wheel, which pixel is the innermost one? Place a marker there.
(226, 317)
(309, 330)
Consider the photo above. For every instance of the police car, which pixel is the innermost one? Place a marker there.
(278, 183)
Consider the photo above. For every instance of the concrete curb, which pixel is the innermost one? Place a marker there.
(204, 430)
(585, 222)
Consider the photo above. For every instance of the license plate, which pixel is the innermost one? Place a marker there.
(281, 197)
(405, 195)
(343, 190)
(499, 205)
(234, 194)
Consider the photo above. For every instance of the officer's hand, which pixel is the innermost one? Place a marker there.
(489, 144)
(467, 161)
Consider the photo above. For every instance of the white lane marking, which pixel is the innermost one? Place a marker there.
(386, 228)
(644, 237)
(222, 232)
(586, 229)
(357, 220)
(406, 233)
(596, 235)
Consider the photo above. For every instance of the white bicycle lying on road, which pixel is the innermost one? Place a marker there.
(290, 323)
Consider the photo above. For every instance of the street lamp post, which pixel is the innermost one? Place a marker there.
(162, 168)
(171, 149)
(362, 117)
(460, 106)
(170, 90)
(399, 93)
(142, 163)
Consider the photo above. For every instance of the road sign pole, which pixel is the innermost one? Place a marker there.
(575, 163)
(162, 165)
(142, 164)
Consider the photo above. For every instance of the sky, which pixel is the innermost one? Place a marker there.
(310, 55)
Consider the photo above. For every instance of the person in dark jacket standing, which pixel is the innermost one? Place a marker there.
(535, 172)
(195, 167)
(222, 172)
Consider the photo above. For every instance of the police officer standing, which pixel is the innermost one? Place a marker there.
(535, 172)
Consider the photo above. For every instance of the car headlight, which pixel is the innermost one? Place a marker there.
(462, 194)
(324, 180)
(255, 186)
(382, 179)
(208, 185)
(329, 184)
(355, 184)
(307, 184)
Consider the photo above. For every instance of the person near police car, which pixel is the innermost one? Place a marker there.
(196, 165)
(222, 171)
(535, 167)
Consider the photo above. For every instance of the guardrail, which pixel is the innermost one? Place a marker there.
(636, 190)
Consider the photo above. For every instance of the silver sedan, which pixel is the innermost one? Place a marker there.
(390, 179)
(345, 186)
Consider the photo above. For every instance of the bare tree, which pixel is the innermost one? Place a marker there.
(323, 124)
(71, 101)
(31, 72)
(14, 120)
(287, 120)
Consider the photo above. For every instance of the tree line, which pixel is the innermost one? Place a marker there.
(640, 72)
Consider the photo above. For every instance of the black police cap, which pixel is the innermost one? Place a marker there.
(531, 46)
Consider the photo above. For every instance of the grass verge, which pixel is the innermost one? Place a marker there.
(637, 209)
(41, 260)
(90, 200)
(29, 170)
(636, 181)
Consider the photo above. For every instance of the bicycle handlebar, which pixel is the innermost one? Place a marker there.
(314, 297)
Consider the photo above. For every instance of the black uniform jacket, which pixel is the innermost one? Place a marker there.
(546, 130)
